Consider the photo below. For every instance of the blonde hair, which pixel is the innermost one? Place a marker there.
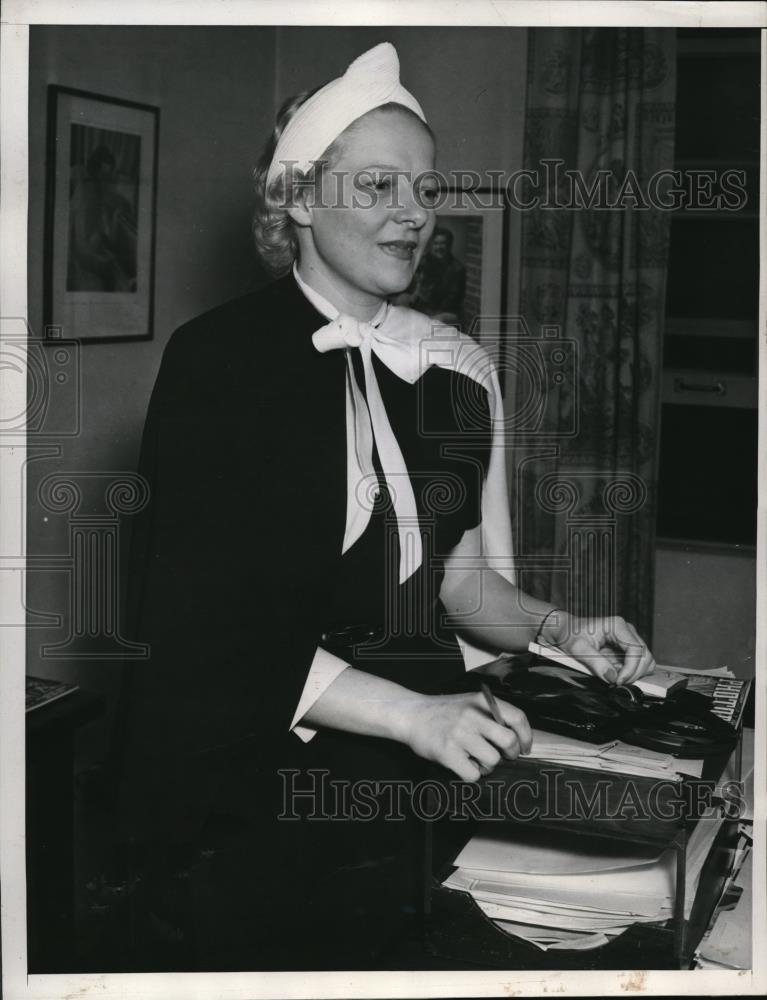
(273, 230)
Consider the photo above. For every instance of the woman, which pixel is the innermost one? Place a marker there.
(322, 509)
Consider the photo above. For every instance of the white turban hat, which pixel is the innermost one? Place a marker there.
(370, 81)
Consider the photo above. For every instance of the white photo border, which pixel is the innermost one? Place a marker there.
(17, 15)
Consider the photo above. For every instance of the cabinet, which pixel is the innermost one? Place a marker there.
(50, 742)
(708, 447)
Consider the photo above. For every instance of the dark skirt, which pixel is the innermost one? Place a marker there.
(320, 863)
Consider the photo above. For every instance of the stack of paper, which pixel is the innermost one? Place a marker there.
(557, 890)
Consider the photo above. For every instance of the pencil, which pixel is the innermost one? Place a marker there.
(492, 704)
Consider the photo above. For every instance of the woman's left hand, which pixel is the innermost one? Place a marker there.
(610, 647)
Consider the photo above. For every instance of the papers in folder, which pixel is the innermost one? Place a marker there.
(614, 757)
(557, 890)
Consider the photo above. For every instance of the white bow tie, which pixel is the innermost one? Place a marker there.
(405, 341)
(368, 422)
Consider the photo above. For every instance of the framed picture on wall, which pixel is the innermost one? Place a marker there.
(100, 217)
(460, 279)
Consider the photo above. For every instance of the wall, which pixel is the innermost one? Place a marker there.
(705, 608)
(215, 92)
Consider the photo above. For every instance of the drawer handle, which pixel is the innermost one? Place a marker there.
(718, 388)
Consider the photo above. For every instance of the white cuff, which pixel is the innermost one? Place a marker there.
(474, 656)
(323, 671)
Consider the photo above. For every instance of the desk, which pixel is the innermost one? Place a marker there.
(50, 742)
(456, 927)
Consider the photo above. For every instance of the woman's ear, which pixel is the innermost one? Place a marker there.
(300, 206)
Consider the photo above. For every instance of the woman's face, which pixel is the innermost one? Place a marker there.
(375, 217)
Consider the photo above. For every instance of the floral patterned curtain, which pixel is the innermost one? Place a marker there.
(600, 101)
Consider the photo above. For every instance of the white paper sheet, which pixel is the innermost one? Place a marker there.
(532, 851)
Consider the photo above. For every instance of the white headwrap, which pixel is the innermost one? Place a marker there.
(370, 81)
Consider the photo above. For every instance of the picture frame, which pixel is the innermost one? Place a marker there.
(100, 218)
(461, 278)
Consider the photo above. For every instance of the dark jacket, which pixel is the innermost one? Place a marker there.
(245, 455)
(234, 559)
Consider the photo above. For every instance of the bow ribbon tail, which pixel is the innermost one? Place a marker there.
(395, 473)
(360, 472)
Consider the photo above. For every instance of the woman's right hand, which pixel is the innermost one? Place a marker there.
(458, 731)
